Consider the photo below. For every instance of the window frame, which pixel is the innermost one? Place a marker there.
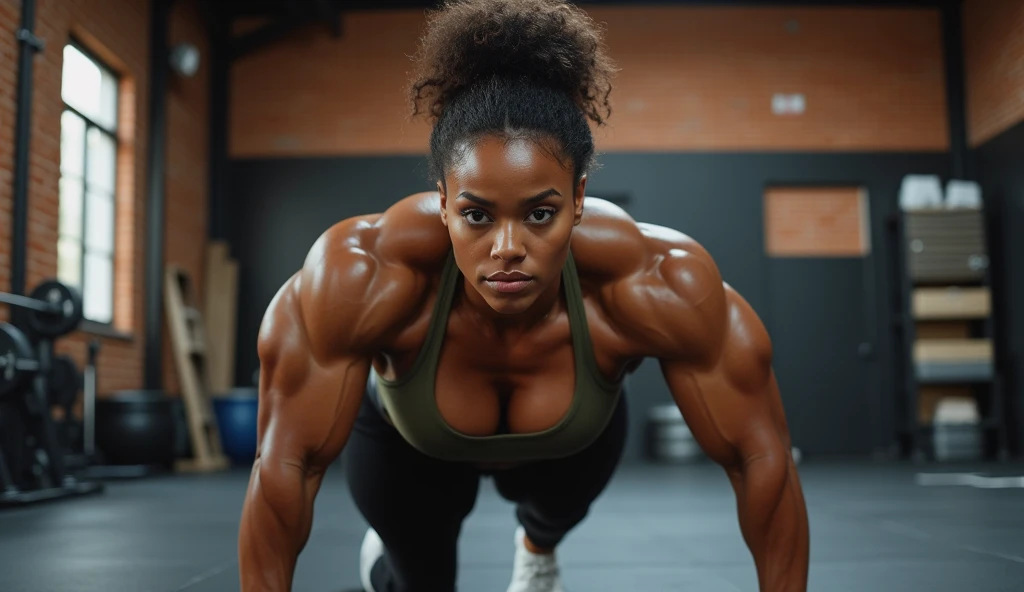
(112, 135)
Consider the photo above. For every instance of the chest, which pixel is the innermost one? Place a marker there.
(489, 382)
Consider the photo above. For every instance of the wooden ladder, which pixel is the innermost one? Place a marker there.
(188, 337)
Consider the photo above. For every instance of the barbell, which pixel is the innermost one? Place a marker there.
(56, 307)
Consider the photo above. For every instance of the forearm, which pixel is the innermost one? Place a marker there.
(276, 520)
(773, 519)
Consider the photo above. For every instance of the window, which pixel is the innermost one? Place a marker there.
(88, 173)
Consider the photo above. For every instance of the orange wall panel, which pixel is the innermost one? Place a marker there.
(691, 79)
(816, 222)
(993, 67)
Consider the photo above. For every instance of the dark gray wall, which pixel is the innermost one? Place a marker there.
(279, 207)
(1001, 173)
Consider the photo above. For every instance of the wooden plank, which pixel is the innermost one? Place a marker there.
(953, 302)
(215, 253)
(228, 336)
(221, 314)
(188, 342)
(953, 350)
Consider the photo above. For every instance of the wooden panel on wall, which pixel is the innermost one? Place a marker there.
(816, 222)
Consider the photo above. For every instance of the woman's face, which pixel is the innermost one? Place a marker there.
(510, 208)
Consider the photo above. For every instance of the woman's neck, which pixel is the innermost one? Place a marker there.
(500, 324)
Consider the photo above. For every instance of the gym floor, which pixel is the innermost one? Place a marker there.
(873, 528)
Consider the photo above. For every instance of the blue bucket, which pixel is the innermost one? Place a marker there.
(237, 413)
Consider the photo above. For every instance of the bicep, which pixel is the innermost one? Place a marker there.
(728, 394)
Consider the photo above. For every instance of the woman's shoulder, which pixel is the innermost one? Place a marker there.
(408, 234)
(411, 233)
(659, 285)
(610, 245)
(365, 275)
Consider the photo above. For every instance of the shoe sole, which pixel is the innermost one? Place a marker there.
(370, 552)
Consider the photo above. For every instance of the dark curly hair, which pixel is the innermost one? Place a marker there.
(532, 69)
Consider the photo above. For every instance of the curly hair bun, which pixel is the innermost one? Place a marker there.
(548, 42)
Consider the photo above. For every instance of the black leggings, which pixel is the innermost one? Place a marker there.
(417, 503)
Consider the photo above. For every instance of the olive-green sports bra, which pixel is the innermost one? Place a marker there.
(412, 408)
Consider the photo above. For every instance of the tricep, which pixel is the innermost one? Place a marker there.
(730, 397)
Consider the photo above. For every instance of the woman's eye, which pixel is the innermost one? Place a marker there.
(541, 215)
(475, 216)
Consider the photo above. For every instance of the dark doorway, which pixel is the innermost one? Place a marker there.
(821, 315)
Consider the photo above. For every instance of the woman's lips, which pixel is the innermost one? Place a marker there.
(508, 286)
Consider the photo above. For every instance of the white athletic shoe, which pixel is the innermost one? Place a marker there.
(372, 550)
(531, 572)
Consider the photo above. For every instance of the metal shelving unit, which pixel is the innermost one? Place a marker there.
(945, 326)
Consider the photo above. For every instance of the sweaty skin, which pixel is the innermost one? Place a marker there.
(364, 297)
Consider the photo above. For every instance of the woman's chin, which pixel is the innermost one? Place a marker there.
(510, 306)
(508, 303)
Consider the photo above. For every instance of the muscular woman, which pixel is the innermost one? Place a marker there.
(484, 329)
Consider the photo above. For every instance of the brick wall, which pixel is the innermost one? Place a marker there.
(692, 79)
(994, 67)
(10, 15)
(188, 178)
(117, 31)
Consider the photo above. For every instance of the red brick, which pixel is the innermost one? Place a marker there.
(993, 67)
(692, 78)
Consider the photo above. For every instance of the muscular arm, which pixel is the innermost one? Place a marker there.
(716, 357)
(306, 411)
(731, 402)
(315, 347)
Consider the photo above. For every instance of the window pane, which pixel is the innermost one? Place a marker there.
(98, 292)
(69, 262)
(99, 218)
(108, 101)
(72, 144)
(81, 83)
(71, 207)
(102, 163)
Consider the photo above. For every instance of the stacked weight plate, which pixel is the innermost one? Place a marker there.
(946, 246)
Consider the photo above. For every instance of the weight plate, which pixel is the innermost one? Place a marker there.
(64, 382)
(69, 302)
(17, 363)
